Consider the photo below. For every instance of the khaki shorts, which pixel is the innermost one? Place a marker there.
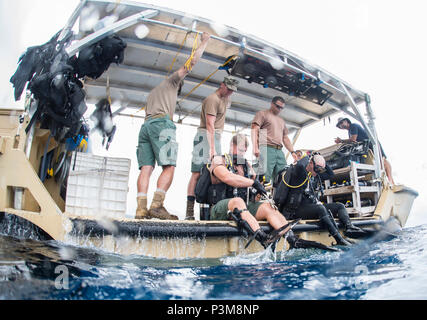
(157, 143)
(219, 211)
(201, 149)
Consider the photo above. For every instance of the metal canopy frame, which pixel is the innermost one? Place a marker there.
(345, 96)
(109, 30)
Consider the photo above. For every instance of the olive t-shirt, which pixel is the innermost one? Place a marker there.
(274, 127)
(162, 99)
(214, 106)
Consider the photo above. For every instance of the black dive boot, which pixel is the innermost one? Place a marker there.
(258, 235)
(327, 220)
(297, 243)
(274, 236)
(350, 230)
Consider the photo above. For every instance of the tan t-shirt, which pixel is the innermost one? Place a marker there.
(162, 99)
(214, 106)
(274, 126)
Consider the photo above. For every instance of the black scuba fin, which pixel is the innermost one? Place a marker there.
(307, 244)
(275, 235)
(356, 233)
(297, 243)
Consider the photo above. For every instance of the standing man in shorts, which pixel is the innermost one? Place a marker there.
(207, 142)
(269, 133)
(157, 139)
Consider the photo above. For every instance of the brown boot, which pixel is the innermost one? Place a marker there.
(157, 210)
(190, 210)
(142, 211)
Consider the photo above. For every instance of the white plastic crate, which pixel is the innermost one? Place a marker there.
(97, 186)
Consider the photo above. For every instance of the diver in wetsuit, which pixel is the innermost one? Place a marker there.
(296, 198)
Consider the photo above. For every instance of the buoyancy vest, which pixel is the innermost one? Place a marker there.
(292, 186)
(202, 186)
(221, 191)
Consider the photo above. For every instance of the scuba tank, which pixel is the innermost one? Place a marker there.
(348, 204)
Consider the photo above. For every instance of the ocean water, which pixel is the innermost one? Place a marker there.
(377, 268)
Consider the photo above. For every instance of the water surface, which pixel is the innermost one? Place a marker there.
(393, 268)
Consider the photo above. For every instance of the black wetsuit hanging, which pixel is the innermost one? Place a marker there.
(94, 60)
(33, 62)
(54, 81)
(103, 119)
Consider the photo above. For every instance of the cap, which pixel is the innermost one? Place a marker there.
(231, 83)
(340, 120)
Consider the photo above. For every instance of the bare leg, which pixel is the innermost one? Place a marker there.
(166, 177)
(192, 183)
(144, 179)
(274, 217)
(388, 172)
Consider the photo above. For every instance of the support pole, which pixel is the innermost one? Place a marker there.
(358, 114)
(72, 20)
(371, 124)
(294, 140)
(371, 133)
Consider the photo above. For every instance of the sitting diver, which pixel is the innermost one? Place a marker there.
(229, 192)
(338, 209)
(231, 179)
(296, 198)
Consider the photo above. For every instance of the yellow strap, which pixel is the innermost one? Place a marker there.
(228, 160)
(177, 53)
(197, 86)
(108, 90)
(175, 58)
(207, 78)
(138, 111)
(187, 65)
(201, 83)
(295, 187)
(83, 145)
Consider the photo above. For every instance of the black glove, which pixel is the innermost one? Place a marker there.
(259, 188)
